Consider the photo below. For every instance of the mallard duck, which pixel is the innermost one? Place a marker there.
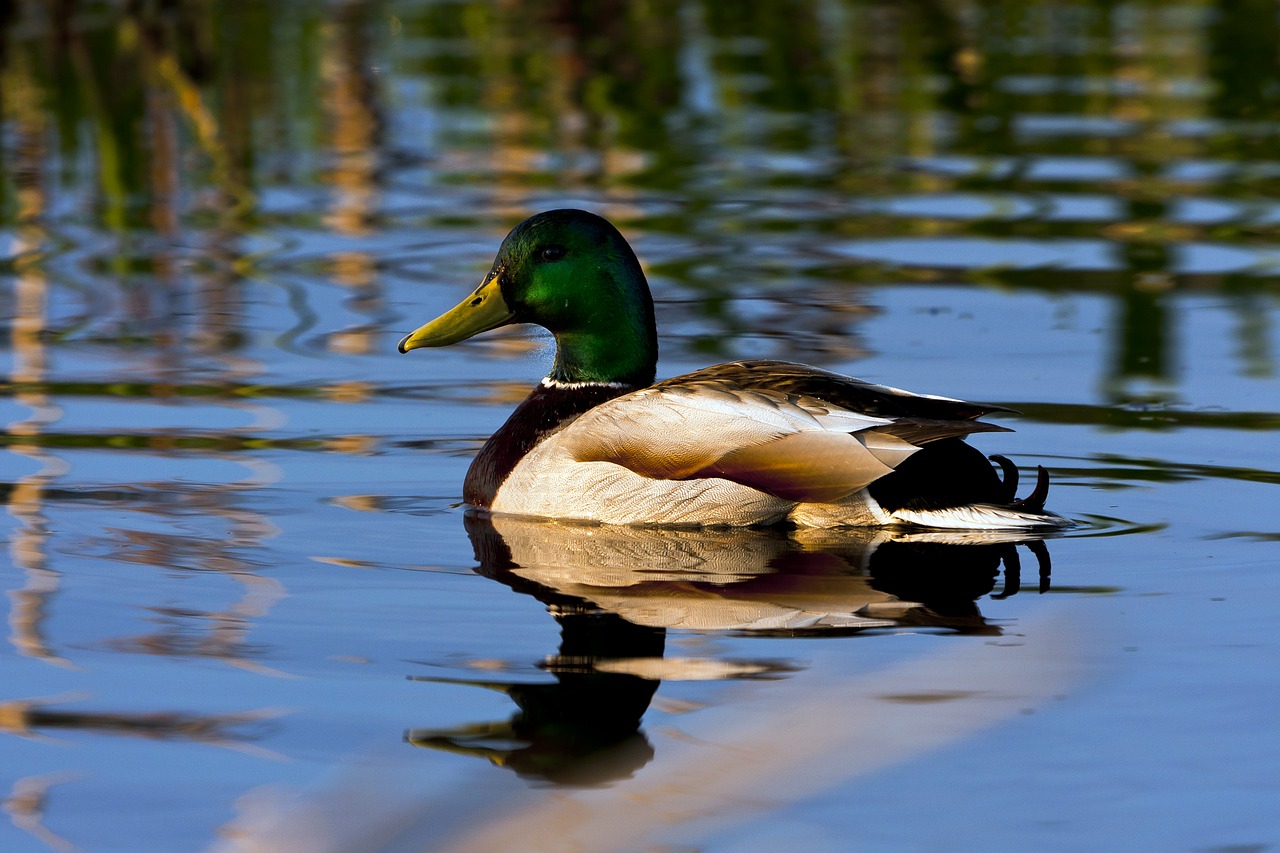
(745, 443)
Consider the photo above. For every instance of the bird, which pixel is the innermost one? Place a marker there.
(746, 443)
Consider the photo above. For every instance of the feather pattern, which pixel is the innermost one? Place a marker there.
(705, 449)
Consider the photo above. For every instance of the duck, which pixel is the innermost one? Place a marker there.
(747, 443)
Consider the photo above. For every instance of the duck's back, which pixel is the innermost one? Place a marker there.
(743, 443)
(847, 392)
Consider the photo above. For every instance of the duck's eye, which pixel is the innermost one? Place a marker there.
(553, 253)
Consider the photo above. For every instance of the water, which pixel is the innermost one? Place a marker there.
(243, 604)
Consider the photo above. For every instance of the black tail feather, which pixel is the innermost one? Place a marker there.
(950, 473)
(1010, 480)
(1034, 502)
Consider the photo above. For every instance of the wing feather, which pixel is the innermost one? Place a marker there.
(789, 447)
(920, 431)
(795, 443)
(812, 465)
(838, 390)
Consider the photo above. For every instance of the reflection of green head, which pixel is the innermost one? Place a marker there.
(572, 273)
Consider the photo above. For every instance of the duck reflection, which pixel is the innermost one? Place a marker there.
(584, 727)
(616, 590)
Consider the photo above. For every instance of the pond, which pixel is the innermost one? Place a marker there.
(247, 611)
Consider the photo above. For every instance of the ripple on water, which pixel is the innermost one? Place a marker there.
(1092, 526)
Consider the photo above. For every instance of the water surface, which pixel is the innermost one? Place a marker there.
(244, 606)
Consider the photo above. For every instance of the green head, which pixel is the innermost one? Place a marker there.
(572, 273)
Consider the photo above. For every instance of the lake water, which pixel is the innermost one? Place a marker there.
(245, 611)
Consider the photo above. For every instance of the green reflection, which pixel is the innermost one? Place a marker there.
(1244, 40)
(211, 203)
(178, 156)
